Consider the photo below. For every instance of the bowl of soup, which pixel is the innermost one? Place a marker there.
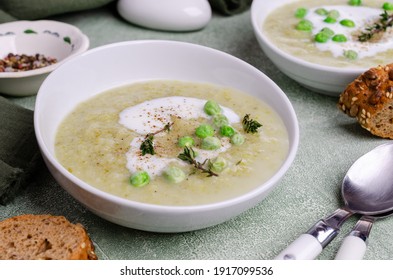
(324, 45)
(164, 136)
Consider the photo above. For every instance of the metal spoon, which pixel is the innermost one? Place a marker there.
(355, 243)
(367, 189)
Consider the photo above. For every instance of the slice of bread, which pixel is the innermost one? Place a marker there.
(44, 237)
(369, 99)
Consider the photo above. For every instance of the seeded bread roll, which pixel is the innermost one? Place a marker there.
(369, 99)
(44, 237)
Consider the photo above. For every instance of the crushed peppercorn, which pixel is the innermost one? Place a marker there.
(22, 62)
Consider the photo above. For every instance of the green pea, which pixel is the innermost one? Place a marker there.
(350, 54)
(218, 164)
(339, 38)
(387, 6)
(327, 31)
(212, 108)
(186, 141)
(237, 139)
(220, 120)
(347, 23)
(355, 2)
(210, 143)
(301, 12)
(321, 37)
(330, 20)
(140, 179)
(304, 25)
(227, 130)
(321, 12)
(174, 174)
(204, 130)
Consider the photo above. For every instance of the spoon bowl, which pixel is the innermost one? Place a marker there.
(368, 185)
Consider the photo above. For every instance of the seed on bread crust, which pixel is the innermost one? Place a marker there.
(369, 99)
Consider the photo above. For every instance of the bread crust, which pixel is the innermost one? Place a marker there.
(369, 99)
(44, 237)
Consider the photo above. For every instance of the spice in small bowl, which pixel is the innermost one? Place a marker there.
(22, 62)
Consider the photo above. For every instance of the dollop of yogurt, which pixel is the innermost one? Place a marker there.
(363, 17)
(152, 116)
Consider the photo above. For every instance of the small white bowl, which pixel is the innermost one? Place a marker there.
(323, 79)
(50, 38)
(127, 62)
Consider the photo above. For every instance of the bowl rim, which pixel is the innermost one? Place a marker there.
(256, 8)
(84, 45)
(286, 164)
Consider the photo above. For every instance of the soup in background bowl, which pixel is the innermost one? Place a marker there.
(326, 61)
(146, 71)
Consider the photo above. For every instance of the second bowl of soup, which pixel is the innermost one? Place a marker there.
(324, 45)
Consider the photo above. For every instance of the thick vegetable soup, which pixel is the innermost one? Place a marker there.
(338, 33)
(172, 142)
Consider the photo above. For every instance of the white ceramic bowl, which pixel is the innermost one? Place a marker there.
(323, 79)
(51, 38)
(85, 76)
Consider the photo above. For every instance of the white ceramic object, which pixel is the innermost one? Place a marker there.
(169, 15)
(126, 62)
(50, 38)
(323, 79)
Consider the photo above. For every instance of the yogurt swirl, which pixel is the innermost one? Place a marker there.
(363, 17)
(152, 115)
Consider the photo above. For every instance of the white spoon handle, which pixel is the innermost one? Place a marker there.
(355, 243)
(305, 247)
(310, 244)
(352, 248)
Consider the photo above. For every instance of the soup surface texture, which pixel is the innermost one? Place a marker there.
(332, 32)
(101, 143)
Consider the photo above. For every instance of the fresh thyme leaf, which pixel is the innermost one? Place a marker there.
(147, 146)
(167, 127)
(189, 155)
(250, 125)
(385, 21)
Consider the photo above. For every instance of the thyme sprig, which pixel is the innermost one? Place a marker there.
(189, 155)
(147, 146)
(385, 21)
(250, 125)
